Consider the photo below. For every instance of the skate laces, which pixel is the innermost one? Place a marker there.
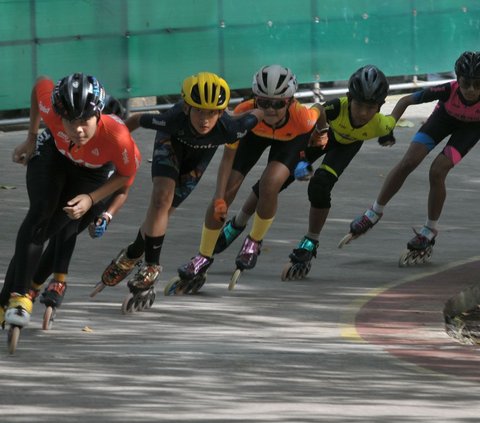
(251, 246)
(22, 301)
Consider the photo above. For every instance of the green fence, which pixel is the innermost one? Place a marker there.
(146, 47)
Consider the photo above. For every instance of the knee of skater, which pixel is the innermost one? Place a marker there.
(320, 188)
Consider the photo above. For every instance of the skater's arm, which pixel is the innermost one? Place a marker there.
(402, 105)
(22, 153)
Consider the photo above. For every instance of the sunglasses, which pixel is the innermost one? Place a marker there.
(265, 103)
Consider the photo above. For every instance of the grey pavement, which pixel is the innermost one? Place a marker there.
(269, 351)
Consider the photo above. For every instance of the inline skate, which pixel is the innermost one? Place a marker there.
(300, 260)
(142, 289)
(246, 259)
(117, 271)
(360, 225)
(191, 276)
(17, 316)
(229, 233)
(419, 248)
(52, 297)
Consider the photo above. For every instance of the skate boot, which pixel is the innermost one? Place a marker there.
(360, 225)
(17, 316)
(52, 297)
(34, 293)
(300, 260)
(191, 276)
(142, 289)
(246, 259)
(419, 248)
(229, 233)
(116, 271)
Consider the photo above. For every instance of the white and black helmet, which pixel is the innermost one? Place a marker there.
(274, 81)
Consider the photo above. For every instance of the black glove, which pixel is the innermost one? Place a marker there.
(387, 140)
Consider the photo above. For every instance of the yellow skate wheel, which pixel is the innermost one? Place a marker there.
(234, 280)
(13, 337)
(48, 317)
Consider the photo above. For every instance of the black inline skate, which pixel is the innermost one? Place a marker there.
(360, 225)
(246, 259)
(191, 276)
(300, 260)
(52, 297)
(419, 248)
(229, 233)
(142, 289)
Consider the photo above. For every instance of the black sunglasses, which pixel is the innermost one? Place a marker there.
(466, 83)
(265, 103)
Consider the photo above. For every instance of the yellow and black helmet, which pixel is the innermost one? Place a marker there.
(205, 90)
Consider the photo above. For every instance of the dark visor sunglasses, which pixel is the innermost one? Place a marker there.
(265, 103)
(466, 83)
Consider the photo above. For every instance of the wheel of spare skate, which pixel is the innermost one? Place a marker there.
(99, 287)
(48, 317)
(345, 240)
(13, 337)
(234, 280)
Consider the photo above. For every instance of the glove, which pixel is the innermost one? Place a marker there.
(220, 210)
(99, 226)
(387, 140)
(319, 138)
(303, 171)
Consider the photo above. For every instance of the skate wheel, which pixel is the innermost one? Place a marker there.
(151, 299)
(99, 287)
(198, 284)
(48, 317)
(13, 337)
(406, 259)
(345, 240)
(128, 305)
(286, 271)
(234, 280)
(171, 287)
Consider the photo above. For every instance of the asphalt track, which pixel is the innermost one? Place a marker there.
(360, 340)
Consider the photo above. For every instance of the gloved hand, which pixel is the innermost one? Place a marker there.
(319, 138)
(220, 210)
(99, 226)
(387, 140)
(303, 171)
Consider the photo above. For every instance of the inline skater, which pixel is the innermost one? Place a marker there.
(352, 119)
(187, 137)
(457, 114)
(286, 129)
(67, 173)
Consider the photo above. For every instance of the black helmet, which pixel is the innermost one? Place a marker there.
(368, 84)
(78, 96)
(468, 65)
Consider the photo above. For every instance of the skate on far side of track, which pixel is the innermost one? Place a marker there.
(191, 277)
